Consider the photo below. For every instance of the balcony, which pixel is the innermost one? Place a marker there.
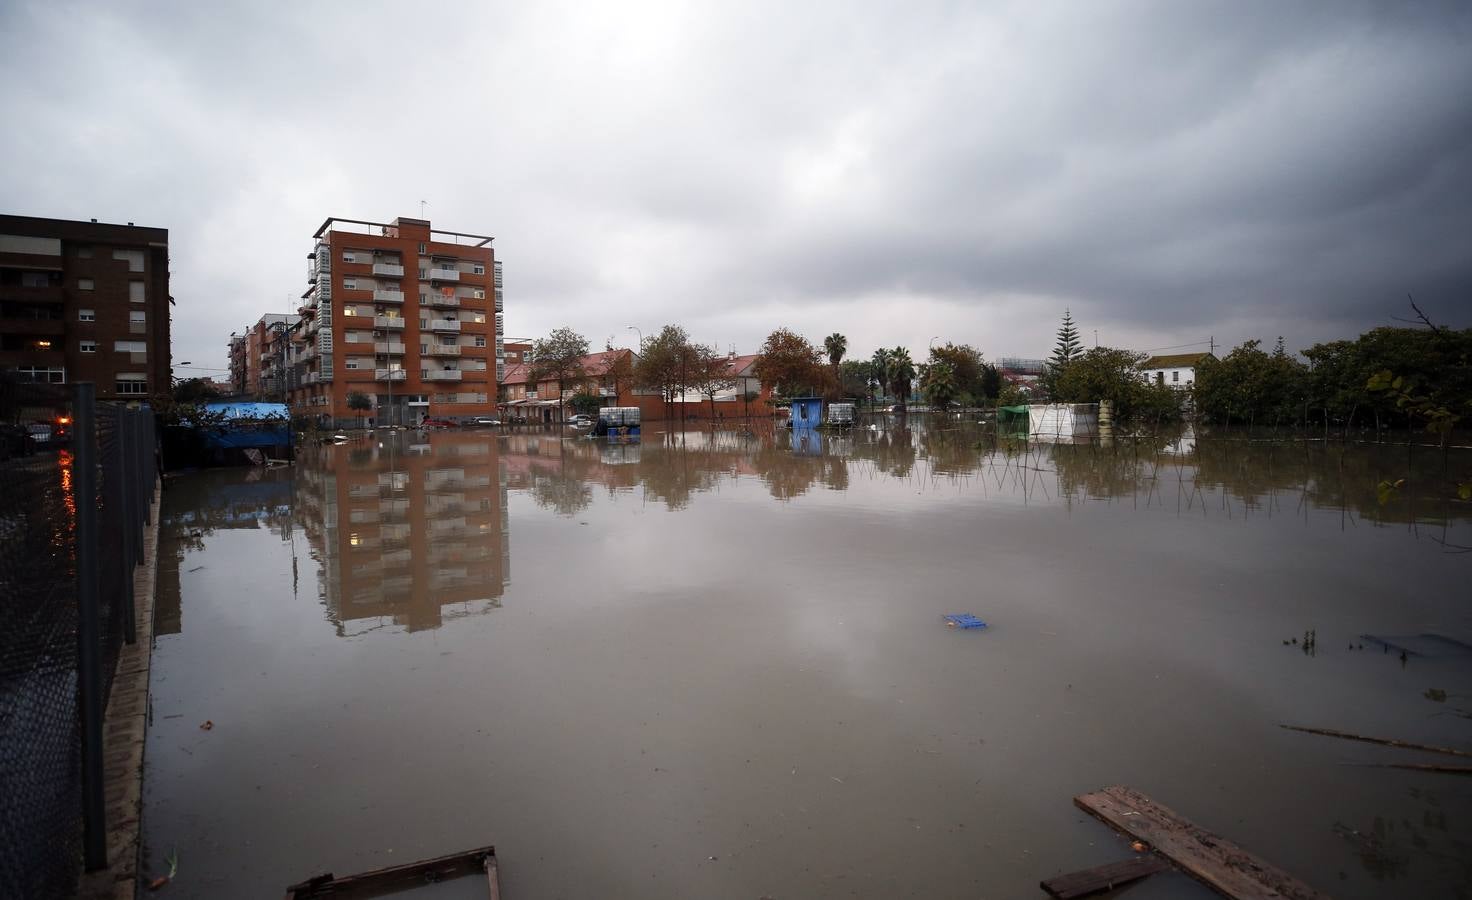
(388, 347)
(388, 322)
(441, 350)
(440, 374)
(311, 378)
(441, 300)
(444, 274)
(388, 374)
(383, 296)
(443, 325)
(388, 269)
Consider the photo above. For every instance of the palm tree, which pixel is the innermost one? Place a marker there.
(901, 373)
(836, 345)
(880, 362)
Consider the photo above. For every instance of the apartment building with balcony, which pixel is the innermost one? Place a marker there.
(258, 358)
(85, 301)
(406, 314)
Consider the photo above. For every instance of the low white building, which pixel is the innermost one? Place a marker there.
(1177, 370)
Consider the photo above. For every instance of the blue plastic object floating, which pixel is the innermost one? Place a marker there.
(964, 620)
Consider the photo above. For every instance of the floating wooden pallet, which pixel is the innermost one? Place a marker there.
(1210, 859)
(1104, 878)
(396, 879)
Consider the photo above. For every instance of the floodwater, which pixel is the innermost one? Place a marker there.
(714, 665)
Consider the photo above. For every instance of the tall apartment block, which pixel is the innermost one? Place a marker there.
(85, 301)
(258, 358)
(407, 315)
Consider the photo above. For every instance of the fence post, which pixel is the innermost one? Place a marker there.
(127, 520)
(89, 634)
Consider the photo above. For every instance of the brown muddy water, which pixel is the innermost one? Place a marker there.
(713, 665)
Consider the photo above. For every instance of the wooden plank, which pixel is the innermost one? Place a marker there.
(1214, 861)
(393, 879)
(1389, 742)
(1104, 878)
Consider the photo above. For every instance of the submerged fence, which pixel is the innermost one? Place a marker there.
(78, 477)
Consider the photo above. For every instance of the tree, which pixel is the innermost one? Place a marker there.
(585, 403)
(1251, 386)
(856, 378)
(790, 364)
(879, 364)
(835, 345)
(968, 371)
(664, 363)
(938, 384)
(1068, 345)
(194, 390)
(559, 357)
(358, 402)
(1107, 373)
(900, 374)
(710, 373)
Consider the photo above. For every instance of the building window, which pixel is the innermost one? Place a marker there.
(347, 256)
(480, 340)
(135, 292)
(130, 383)
(42, 374)
(478, 269)
(1175, 376)
(35, 279)
(421, 248)
(130, 346)
(349, 284)
(84, 252)
(134, 259)
(137, 317)
(478, 294)
(87, 315)
(84, 284)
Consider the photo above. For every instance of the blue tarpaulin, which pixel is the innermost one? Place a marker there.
(249, 411)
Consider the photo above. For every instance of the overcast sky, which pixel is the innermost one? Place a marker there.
(1170, 171)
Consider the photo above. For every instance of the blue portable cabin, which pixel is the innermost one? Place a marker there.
(807, 412)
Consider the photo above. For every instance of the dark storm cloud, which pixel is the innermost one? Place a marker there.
(1168, 170)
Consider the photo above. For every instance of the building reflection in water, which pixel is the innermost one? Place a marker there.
(409, 531)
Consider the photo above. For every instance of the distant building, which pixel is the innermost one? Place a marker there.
(518, 350)
(408, 315)
(258, 358)
(86, 301)
(1020, 366)
(1177, 370)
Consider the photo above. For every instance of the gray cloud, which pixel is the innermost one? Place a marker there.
(1168, 170)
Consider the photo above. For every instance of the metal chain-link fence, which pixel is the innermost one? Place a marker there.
(74, 500)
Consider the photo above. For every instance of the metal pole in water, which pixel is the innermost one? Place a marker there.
(89, 636)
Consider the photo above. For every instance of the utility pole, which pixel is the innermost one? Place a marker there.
(1212, 341)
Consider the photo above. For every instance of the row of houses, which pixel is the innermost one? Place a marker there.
(606, 375)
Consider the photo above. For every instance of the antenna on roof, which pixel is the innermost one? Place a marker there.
(422, 205)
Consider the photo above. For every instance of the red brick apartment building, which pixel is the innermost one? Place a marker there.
(405, 314)
(85, 301)
(412, 533)
(258, 358)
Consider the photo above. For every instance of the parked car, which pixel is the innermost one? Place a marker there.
(430, 422)
(581, 421)
(484, 420)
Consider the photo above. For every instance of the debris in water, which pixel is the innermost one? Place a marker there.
(963, 620)
(1435, 695)
(207, 725)
(1139, 846)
